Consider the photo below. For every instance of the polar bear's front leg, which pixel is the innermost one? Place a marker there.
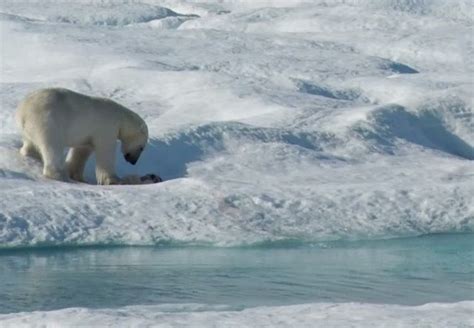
(105, 163)
(76, 161)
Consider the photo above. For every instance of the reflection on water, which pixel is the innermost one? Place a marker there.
(435, 268)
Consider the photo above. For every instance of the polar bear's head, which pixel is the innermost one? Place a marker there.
(134, 137)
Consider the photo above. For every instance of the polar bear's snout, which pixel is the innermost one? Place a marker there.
(131, 158)
(132, 155)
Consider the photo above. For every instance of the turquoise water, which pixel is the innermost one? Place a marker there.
(435, 268)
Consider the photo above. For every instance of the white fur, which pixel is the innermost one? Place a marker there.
(52, 120)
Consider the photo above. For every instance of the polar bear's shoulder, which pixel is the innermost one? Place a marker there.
(53, 96)
(53, 92)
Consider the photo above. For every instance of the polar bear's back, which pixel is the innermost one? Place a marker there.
(56, 100)
(74, 116)
(49, 102)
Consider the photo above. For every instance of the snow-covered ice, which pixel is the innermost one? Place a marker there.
(307, 315)
(269, 120)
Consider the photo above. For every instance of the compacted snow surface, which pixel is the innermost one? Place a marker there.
(269, 121)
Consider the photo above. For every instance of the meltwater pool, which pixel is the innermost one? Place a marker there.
(410, 271)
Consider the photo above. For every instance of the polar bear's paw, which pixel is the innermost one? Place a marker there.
(107, 180)
(55, 173)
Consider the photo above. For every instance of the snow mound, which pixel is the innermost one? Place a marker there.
(105, 13)
(459, 10)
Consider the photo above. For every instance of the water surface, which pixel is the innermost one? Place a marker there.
(434, 268)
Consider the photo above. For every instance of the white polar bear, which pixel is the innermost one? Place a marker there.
(54, 119)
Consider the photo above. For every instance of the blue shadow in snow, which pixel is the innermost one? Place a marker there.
(169, 157)
(426, 129)
(401, 68)
(318, 90)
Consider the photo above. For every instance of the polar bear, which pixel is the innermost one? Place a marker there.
(54, 119)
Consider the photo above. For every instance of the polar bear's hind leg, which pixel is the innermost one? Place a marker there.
(29, 149)
(76, 162)
(53, 160)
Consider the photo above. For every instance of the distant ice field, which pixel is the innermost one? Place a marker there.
(269, 121)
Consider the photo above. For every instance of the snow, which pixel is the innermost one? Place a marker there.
(269, 120)
(306, 315)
